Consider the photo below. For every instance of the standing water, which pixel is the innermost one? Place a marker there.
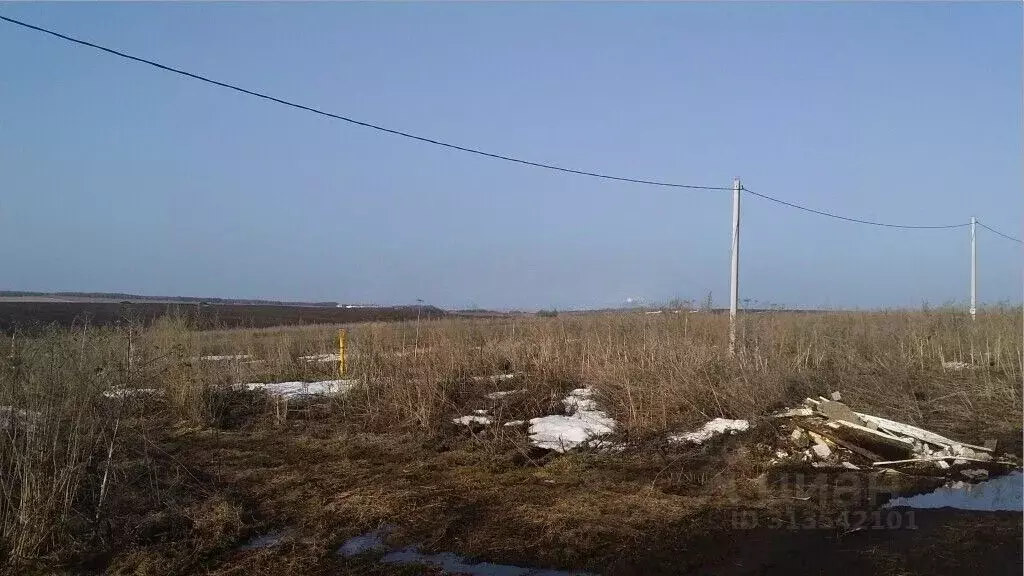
(1002, 493)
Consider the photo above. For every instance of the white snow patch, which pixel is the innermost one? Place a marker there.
(711, 429)
(216, 358)
(331, 357)
(580, 400)
(125, 392)
(515, 423)
(480, 412)
(494, 378)
(503, 393)
(20, 417)
(469, 420)
(561, 433)
(300, 389)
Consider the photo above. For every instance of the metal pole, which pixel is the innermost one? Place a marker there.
(974, 269)
(734, 288)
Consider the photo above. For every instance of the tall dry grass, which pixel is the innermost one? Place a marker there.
(667, 371)
(653, 373)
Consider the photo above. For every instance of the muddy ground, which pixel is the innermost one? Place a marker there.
(648, 508)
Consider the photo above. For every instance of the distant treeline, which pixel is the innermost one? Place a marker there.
(181, 299)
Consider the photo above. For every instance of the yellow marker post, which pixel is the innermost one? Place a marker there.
(341, 352)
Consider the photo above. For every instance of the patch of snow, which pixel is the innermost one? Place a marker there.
(216, 358)
(580, 399)
(300, 389)
(364, 543)
(19, 416)
(561, 433)
(711, 429)
(332, 357)
(494, 378)
(125, 392)
(480, 412)
(955, 365)
(469, 420)
(503, 393)
(515, 423)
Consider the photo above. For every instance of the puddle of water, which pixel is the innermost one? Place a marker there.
(448, 562)
(266, 540)
(1003, 493)
(369, 542)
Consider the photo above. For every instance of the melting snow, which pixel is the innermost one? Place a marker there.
(494, 377)
(300, 389)
(503, 393)
(334, 357)
(124, 392)
(515, 423)
(467, 420)
(266, 540)
(216, 358)
(562, 433)
(711, 429)
(364, 543)
(21, 417)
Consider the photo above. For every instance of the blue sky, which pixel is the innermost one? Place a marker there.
(120, 177)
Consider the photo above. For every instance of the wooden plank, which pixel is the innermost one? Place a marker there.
(872, 435)
(927, 459)
(917, 433)
(861, 451)
(885, 437)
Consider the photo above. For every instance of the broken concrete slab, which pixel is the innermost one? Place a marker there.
(838, 411)
(821, 451)
(799, 438)
(901, 429)
(975, 474)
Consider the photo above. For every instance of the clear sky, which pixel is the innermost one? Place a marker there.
(118, 177)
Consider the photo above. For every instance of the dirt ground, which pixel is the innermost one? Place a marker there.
(646, 509)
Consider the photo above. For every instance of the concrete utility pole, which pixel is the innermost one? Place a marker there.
(734, 288)
(974, 269)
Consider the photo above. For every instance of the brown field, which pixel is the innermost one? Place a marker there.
(177, 481)
(33, 315)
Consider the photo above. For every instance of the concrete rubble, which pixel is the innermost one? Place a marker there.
(828, 433)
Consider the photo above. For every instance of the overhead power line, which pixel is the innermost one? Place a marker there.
(994, 231)
(476, 151)
(849, 219)
(354, 121)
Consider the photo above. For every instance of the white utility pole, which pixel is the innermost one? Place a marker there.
(974, 269)
(734, 288)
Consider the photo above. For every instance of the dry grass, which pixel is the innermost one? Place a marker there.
(81, 470)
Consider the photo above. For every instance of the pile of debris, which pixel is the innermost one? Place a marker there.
(827, 433)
